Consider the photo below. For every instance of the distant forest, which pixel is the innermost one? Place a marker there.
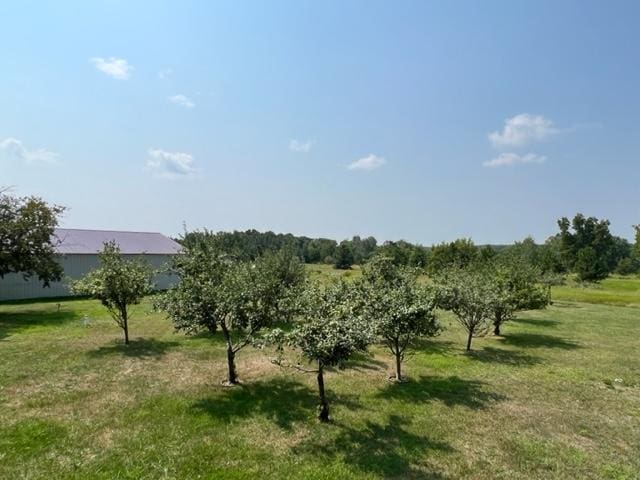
(583, 245)
(251, 244)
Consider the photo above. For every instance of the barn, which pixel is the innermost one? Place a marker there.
(78, 253)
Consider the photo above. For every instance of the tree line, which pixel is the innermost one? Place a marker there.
(583, 246)
(251, 244)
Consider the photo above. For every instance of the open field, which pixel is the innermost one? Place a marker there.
(615, 290)
(557, 397)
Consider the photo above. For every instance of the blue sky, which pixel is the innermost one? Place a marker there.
(421, 120)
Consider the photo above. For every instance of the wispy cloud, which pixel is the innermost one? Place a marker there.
(170, 165)
(117, 68)
(182, 100)
(165, 73)
(523, 129)
(370, 162)
(16, 149)
(300, 146)
(510, 159)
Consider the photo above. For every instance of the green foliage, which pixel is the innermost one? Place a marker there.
(117, 283)
(404, 253)
(587, 266)
(252, 244)
(239, 297)
(281, 279)
(192, 302)
(628, 266)
(487, 253)
(550, 256)
(362, 249)
(400, 310)
(470, 294)
(621, 249)
(460, 253)
(332, 329)
(343, 257)
(26, 229)
(587, 247)
(545, 257)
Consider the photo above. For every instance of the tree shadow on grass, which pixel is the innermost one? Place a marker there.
(452, 391)
(499, 355)
(386, 449)
(536, 340)
(563, 304)
(138, 348)
(15, 322)
(537, 322)
(442, 347)
(280, 400)
(213, 337)
(365, 362)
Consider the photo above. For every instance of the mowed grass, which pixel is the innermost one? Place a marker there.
(616, 290)
(557, 397)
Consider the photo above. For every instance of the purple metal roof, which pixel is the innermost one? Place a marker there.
(73, 241)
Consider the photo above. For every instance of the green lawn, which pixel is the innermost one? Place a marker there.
(612, 291)
(557, 397)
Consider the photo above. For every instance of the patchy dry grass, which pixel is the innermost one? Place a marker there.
(557, 397)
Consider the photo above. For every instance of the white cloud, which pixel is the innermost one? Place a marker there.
(170, 164)
(16, 149)
(165, 73)
(298, 146)
(509, 159)
(182, 100)
(117, 68)
(370, 162)
(523, 129)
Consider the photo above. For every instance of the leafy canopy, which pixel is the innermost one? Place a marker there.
(343, 256)
(332, 329)
(26, 229)
(587, 247)
(460, 253)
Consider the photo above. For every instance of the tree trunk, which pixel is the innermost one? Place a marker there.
(232, 377)
(469, 340)
(323, 414)
(125, 325)
(398, 364)
(496, 325)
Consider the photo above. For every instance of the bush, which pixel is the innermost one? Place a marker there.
(628, 266)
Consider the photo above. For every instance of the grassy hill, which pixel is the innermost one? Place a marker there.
(557, 397)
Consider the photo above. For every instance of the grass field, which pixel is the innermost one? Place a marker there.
(611, 291)
(557, 397)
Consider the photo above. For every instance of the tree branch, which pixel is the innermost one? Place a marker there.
(295, 367)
